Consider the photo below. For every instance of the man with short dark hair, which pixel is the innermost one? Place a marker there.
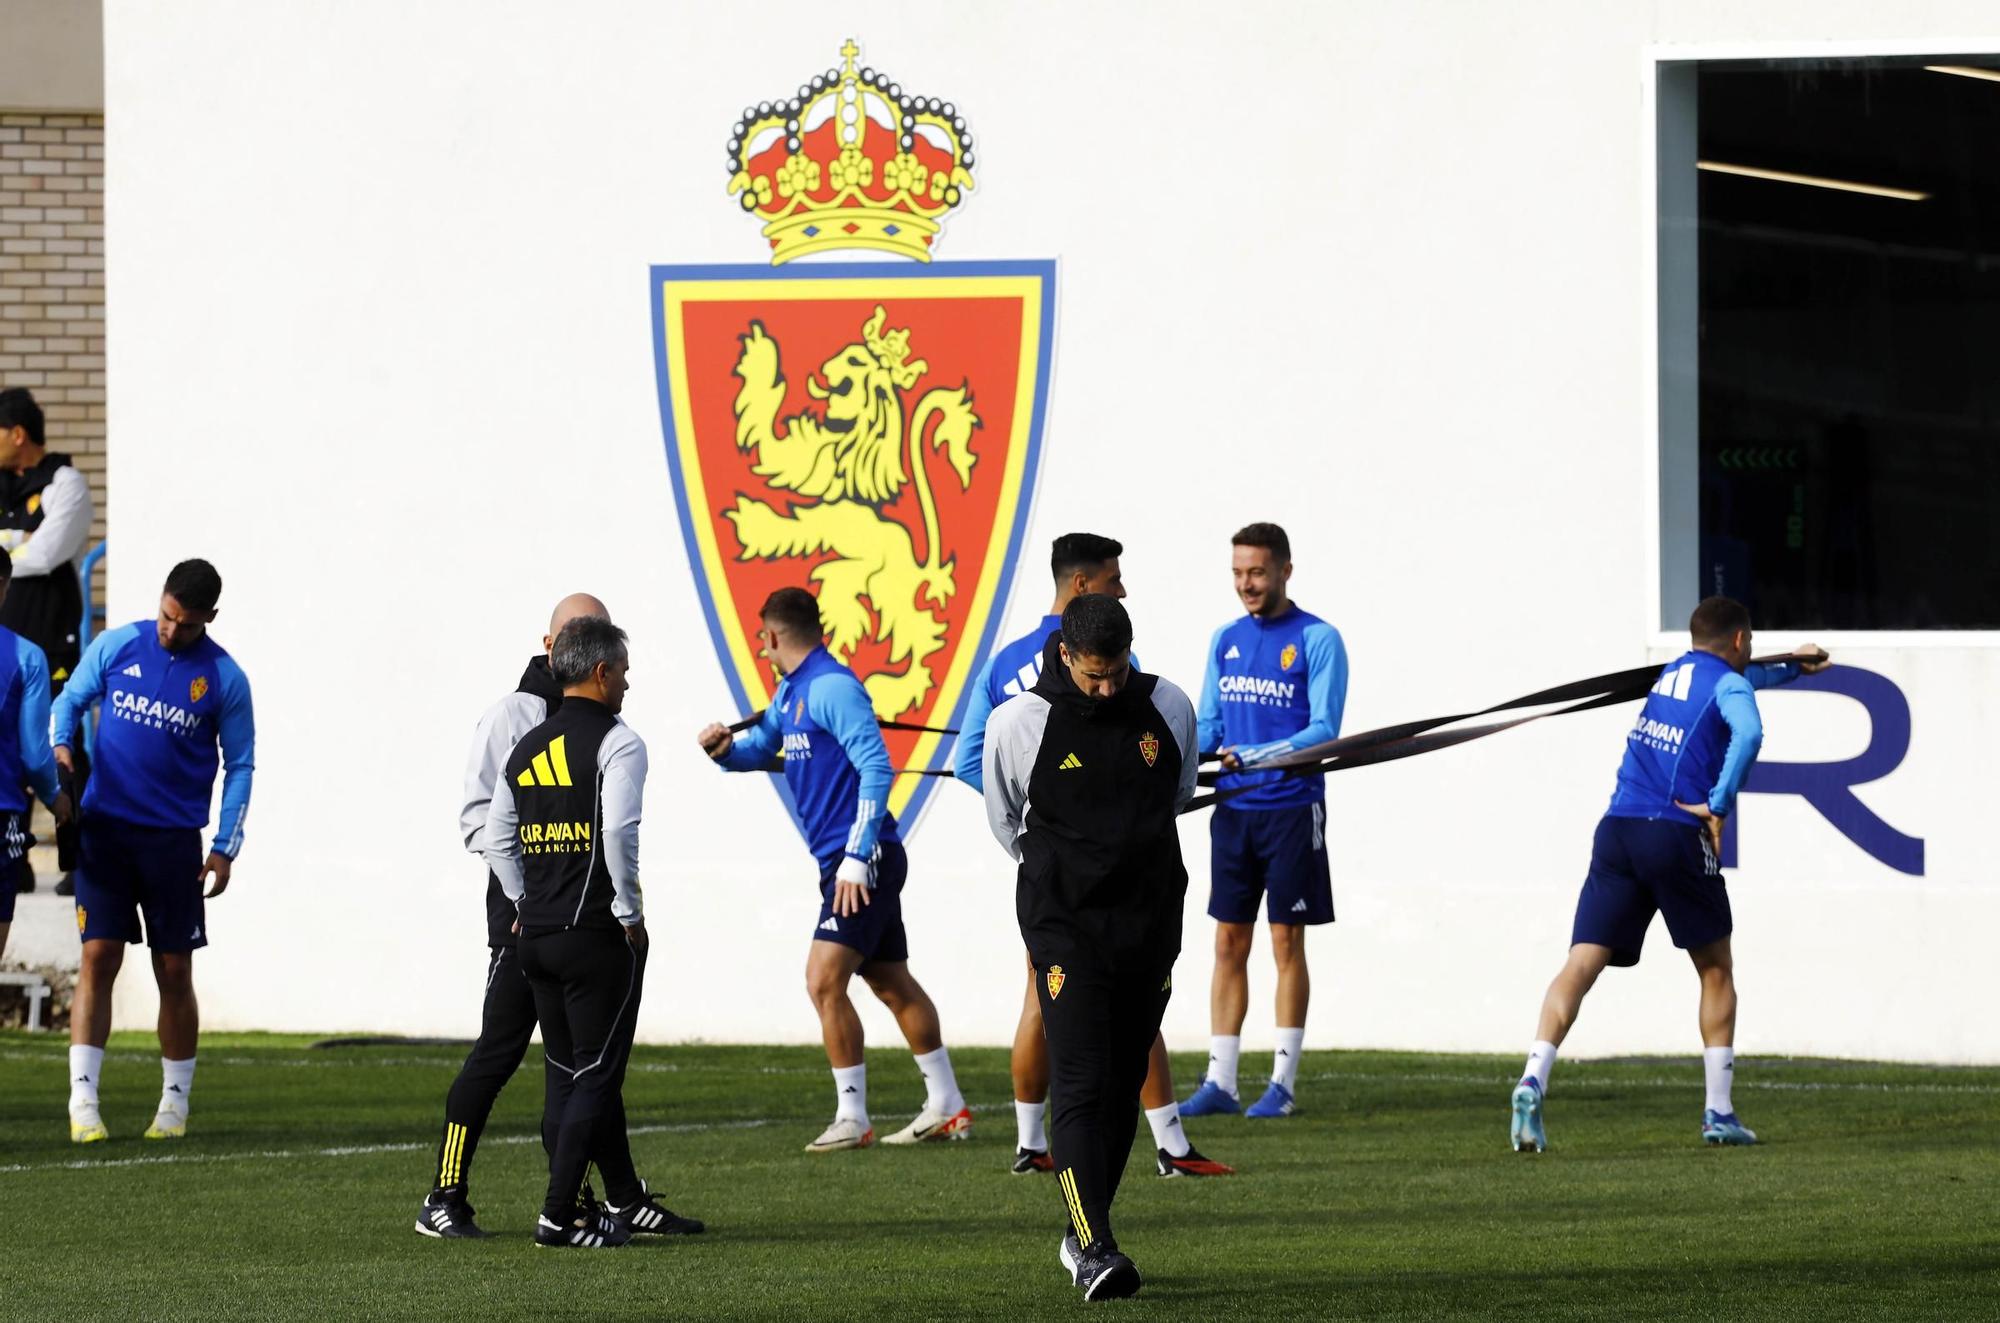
(1658, 849)
(45, 514)
(507, 1018)
(1081, 563)
(1276, 684)
(1084, 777)
(823, 726)
(562, 836)
(173, 702)
(25, 757)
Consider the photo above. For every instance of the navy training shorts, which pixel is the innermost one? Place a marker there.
(1276, 855)
(1643, 866)
(124, 871)
(877, 931)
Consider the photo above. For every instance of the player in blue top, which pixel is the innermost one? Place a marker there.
(25, 758)
(1081, 563)
(1276, 684)
(1658, 849)
(836, 766)
(171, 698)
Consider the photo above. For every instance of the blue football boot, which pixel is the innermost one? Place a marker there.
(1527, 1135)
(1211, 1099)
(1277, 1101)
(1724, 1128)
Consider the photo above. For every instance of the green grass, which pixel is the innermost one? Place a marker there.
(1393, 1194)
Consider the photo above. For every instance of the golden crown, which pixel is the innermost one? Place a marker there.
(850, 161)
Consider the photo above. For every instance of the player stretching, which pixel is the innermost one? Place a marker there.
(171, 697)
(1082, 563)
(837, 768)
(1658, 848)
(1276, 683)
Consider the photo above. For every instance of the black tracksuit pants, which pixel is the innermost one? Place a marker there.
(1100, 1027)
(587, 983)
(506, 1022)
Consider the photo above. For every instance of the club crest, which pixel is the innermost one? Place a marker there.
(870, 431)
(1288, 656)
(1149, 748)
(197, 688)
(1055, 981)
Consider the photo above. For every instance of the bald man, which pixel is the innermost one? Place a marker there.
(508, 1017)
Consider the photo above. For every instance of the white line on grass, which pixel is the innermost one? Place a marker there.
(347, 1150)
(1570, 1081)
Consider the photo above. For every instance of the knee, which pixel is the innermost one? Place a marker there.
(1232, 943)
(175, 976)
(890, 992)
(1288, 945)
(101, 960)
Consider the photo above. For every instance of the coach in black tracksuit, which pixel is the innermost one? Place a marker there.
(562, 835)
(1085, 775)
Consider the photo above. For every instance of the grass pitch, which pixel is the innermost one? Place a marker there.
(1391, 1194)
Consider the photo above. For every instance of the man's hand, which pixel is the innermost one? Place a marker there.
(849, 897)
(64, 761)
(635, 936)
(63, 810)
(1814, 667)
(1709, 819)
(217, 866)
(715, 739)
(1230, 762)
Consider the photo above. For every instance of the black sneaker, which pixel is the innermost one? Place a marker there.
(1105, 1274)
(1069, 1254)
(583, 1229)
(648, 1216)
(447, 1216)
(1030, 1160)
(66, 887)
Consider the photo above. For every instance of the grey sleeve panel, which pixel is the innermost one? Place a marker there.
(1013, 738)
(1178, 713)
(501, 727)
(503, 844)
(621, 765)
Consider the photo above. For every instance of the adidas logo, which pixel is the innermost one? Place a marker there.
(133, 671)
(550, 767)
(1069, 762)
(173, 1088)
(1232, 654)
(1283, 1053)
(197, 934)
(850, 1089)
(1299, 906)
(829, 926)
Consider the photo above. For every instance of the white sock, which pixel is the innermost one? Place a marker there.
(1029, 1132)
(85, 1065)
(1719, 1064)
(941, 1093)
(1541, 1062)
(850, 1090)
(1285, 1064)
(1223, 1049)
(1167, 1132)
(176, 1083)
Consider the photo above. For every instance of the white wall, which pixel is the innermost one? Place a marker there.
(1375, 271)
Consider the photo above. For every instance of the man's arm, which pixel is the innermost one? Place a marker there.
(1174, 709)
(500, 728)
(1737, 706)
(84, 687)
(1326, 697)
(622, 759)
(65, 527)
(503, 842)
(1013, 738)
(1208, 721)
(969, 755)
(840, 704)
(36, 755)
(752, 750)
(236, 727)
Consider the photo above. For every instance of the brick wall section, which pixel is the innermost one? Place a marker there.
(52, 281)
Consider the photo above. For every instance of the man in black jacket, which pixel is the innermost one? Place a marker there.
(507, 1017)
(1085, 775)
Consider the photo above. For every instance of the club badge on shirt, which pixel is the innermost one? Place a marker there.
(197, 688)
(1055, 981)
(1149, 748)
(1288, 656)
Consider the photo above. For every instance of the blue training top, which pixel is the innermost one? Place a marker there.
(25, 756)
(1694, 740)
(165, 714)
(836, 764)
(1273, 687)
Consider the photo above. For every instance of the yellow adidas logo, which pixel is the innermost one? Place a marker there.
(550, 768)
(1068, 762)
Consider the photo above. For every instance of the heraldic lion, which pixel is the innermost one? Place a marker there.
(843, 466)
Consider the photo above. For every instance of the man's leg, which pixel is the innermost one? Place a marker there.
(600, 977)
(916, 1015)
(89, 1027)
(545, 986)
(1288, 952)
(179, 1027)
(1717, 969)
(1139, 1004)
(944, 1115)
(1084, 1078)
(1029, 1065)
(1228, 1003)
(506, 1023)
(830, 967)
